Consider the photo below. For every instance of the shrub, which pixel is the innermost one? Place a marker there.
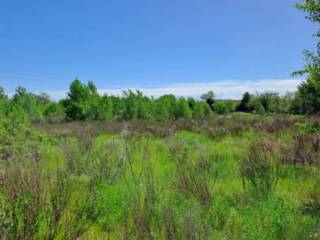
(220, 107)
(309, 127)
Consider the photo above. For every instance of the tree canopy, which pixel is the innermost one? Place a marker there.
(308, 94)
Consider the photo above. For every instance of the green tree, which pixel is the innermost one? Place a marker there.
(192, 103)
(3, 102)
(105, 109)
(16, 117)
(270, 101)
(309, 91)
(54, 109)
(244, 104)
(183, 110)
(208, 98)
(312, 8)
(75, 103)
(160, 111)
(207, 110)
(296, 105)
(256, 105)
(220, 107)
(285, 103)
(43, 99)
(3, 94)
(32, 104)
(170, 101)
(118, 107)
(131, 105)
(144, 106)
(82, 101)
(201, 110)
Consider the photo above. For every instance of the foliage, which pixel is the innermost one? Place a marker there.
(201, 110)
(82, 101)
(166, 169)
(312, 7)
(244, 104)
(256, 106)
(105, 109)
(223, 106)
(309, 91)
(270, 101)
(33, 105)
(208, 98)
(309, 127)
(183, 110)
(308, 95)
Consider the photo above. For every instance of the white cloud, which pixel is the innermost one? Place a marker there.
(232, 89)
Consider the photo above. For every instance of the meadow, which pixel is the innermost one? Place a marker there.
(235, 176)
(178, 166)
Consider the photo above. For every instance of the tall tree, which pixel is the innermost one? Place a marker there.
(208, 98)
(2, 93)
(3, 102)
(256, 105)
(32, 104)
(82, 101)
(270, 101)
(309, 91)
(160, 111)
(244, 104)
(105, 108)
(183, 110)
(171, 104)
(201, 110)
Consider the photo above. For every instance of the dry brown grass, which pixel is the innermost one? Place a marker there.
(305, 150)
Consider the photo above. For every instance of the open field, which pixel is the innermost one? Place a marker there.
(230, 177)
(202, 122)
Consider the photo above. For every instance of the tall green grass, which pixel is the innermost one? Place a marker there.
(238, 177)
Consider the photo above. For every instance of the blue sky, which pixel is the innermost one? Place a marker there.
(183, 46)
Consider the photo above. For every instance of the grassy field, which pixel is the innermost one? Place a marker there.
(229, 177)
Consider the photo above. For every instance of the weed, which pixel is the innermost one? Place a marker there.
(260, 169)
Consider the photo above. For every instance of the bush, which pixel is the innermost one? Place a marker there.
(309, 127)
(220, 108)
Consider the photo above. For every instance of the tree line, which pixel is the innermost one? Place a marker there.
(83, 102)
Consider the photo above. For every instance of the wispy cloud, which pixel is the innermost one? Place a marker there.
(228, 89)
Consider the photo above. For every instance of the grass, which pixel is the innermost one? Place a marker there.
(223, 178)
